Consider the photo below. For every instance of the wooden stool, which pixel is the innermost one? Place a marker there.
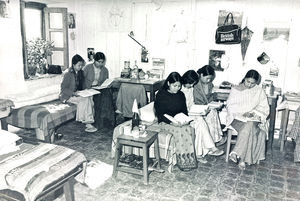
(141, 142)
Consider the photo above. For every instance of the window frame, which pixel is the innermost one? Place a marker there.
(23, 6)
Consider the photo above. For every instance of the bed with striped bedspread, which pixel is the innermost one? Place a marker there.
(43, 116)
(25, 174)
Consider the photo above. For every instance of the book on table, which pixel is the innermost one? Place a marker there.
(105, 84)
(87, 92)
(179, 118)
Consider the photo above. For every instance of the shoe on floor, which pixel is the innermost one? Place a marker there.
(222, 141)
(88, 125)
(233, 157)
(201, 159)
(216, 152)
(91, 130)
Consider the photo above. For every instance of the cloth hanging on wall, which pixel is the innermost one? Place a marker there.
(245, 40)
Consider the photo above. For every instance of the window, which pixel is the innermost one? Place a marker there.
(39, 21)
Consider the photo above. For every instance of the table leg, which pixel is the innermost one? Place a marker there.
(69, 190)
(4, 125)
(284, 119)
(156, 150)
(145, 163)
(117, 157)
(272, 123)
(152, 94)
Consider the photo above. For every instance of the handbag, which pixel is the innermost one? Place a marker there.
(228, 33)
(54, 69)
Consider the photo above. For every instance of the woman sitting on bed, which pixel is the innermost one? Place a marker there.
(247, 111)
(204, 143)
(170, 100)
(72, 82)
(202, 96)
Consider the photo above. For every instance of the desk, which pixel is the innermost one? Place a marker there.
(142, 142)
(286, 107)
(222, 94)
(150, 85)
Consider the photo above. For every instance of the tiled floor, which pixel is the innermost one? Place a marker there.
(276, 178)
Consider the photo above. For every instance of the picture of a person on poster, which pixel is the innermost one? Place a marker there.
(3, 10)
(72, 23)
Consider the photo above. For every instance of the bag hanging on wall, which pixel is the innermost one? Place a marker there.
(228, 33)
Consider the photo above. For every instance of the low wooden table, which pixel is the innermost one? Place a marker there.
(141, 142)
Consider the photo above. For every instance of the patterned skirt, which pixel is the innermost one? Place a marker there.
(183, 138)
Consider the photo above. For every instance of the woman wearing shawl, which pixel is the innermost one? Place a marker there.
(204, 143)
(202, 96)
(248, 109)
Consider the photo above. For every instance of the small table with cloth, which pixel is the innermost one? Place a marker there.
(36, 170)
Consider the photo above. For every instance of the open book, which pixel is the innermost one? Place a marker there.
(87, 92)
(245, 119)
(215, 105)
(179, 118)
(198, 110)
(105, 84)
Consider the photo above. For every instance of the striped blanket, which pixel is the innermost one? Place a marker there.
(28, 172)
(43, 116)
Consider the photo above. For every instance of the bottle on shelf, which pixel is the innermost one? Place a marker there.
(135, 71)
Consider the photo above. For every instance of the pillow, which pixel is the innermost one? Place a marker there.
(147, 112)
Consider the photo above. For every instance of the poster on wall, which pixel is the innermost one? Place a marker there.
(71, 20)
(90, 53)
(271, 33)
(237, 17)
(4, 9)
(215, 58)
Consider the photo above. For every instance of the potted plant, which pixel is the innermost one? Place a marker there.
(37, 52)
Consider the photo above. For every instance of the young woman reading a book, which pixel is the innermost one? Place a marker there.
(72, 82)
(248, 101)
(170, 100)
(204, 143)
(202, 96)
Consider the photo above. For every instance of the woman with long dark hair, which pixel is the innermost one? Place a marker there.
(72, 82)
(171, 101)
(247, 112)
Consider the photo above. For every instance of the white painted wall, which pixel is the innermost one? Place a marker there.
(185, 46)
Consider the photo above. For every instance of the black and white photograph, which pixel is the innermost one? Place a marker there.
(237, 17)
(215, 59)
(71, 20)
(4, 8)
(90, 53)
(139, 100)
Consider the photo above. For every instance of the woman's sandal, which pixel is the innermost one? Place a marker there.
(233, 158)
(242, 166)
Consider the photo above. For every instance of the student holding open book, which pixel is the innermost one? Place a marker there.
(203, 96)
(171, 101)
(73, 82)
(204, 143)
(247, 111)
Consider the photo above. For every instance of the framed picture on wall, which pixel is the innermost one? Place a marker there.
(271, 33)
(4, 9)
(215, 59)
(71, 20)
(90, 53)
(237, 17)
